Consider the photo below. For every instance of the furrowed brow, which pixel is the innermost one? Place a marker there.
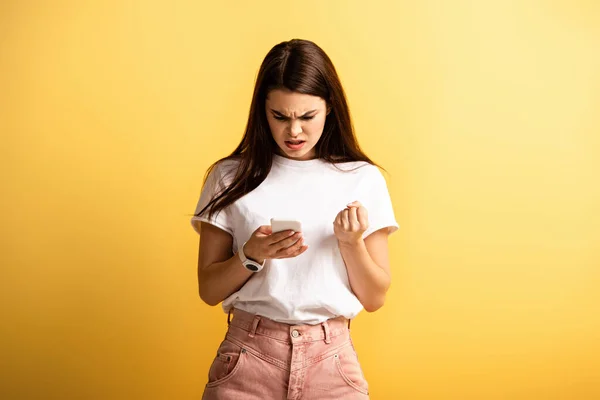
(285, 116)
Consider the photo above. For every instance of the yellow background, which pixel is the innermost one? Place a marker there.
(485, 113)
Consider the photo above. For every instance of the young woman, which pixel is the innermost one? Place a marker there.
(292, 294)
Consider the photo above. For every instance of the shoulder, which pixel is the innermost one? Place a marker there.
(359, 168)
(223, 171)
(226, 166)
(363, 174)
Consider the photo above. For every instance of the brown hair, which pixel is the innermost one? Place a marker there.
(300, 66)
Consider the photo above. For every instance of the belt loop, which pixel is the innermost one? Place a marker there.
(254, 325)
(327, 334)
(229, 316)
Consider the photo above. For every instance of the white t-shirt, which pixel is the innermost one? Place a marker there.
(313, 286)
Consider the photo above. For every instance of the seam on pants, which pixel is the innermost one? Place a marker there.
(277, 363)
(315, 360)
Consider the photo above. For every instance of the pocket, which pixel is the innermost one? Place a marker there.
(349, 368)
(226, 364)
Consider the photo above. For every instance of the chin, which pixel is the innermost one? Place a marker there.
(300, 154)
(305, 155)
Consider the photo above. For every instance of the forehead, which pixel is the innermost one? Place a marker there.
(293, 102)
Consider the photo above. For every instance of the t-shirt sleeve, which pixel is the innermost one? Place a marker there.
(213, 186)
(378, 203)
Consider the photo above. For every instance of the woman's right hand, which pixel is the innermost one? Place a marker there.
(264, 245)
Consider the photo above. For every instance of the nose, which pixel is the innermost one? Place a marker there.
(295, 128)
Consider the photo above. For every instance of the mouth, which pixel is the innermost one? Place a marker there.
(295, 144)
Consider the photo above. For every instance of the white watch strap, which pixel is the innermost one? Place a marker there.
(249, 264)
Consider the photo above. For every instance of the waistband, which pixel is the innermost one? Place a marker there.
(259, 325)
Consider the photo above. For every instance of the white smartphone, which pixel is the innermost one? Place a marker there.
(278, 225)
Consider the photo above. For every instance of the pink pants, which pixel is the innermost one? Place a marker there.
(263, 359)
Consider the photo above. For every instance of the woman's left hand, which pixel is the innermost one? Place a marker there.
(351, 223)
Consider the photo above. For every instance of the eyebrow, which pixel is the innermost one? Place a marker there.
(285, 116)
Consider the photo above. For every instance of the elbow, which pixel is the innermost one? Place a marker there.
(207, 291)
(206, 297)
(376, 299)
(210, 301)
(374, 304)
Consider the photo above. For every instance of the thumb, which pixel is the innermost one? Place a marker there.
(264, 229)
(355, 203)
(362, 215)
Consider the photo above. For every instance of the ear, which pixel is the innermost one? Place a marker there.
(328, 109)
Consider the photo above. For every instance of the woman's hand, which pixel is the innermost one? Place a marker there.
(264, 245)
(351, 223)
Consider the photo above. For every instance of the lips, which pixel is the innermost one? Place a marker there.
(295, 144)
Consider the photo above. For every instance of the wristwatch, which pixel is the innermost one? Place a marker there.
(249, 264)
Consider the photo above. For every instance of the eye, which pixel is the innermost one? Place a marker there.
(280, 118)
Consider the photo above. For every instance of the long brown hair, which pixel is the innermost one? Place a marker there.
(300, 66)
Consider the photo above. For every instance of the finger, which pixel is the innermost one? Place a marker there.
(363, 217)
(354, 204)
(295, 248)
(353, 219)
(264, 230)
(279, 236)
(345, 222)
(338, 219)
(286, 243)
(290, 250)
(298, 248)
(302, 250)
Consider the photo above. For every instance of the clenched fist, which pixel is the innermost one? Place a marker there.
(351, 223)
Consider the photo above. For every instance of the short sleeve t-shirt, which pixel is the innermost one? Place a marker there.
(313, 286)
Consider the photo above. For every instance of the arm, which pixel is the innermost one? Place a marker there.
(367, 260)
(367, 263)
(220, 273)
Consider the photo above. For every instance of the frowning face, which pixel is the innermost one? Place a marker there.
(296, 121)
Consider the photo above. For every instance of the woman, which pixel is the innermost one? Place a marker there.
(292, 294)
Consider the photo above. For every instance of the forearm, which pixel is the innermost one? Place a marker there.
(219, 280)
(368, 281)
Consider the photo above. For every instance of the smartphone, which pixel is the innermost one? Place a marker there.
(278, 225)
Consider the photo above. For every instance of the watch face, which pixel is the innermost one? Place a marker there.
(252, 267)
